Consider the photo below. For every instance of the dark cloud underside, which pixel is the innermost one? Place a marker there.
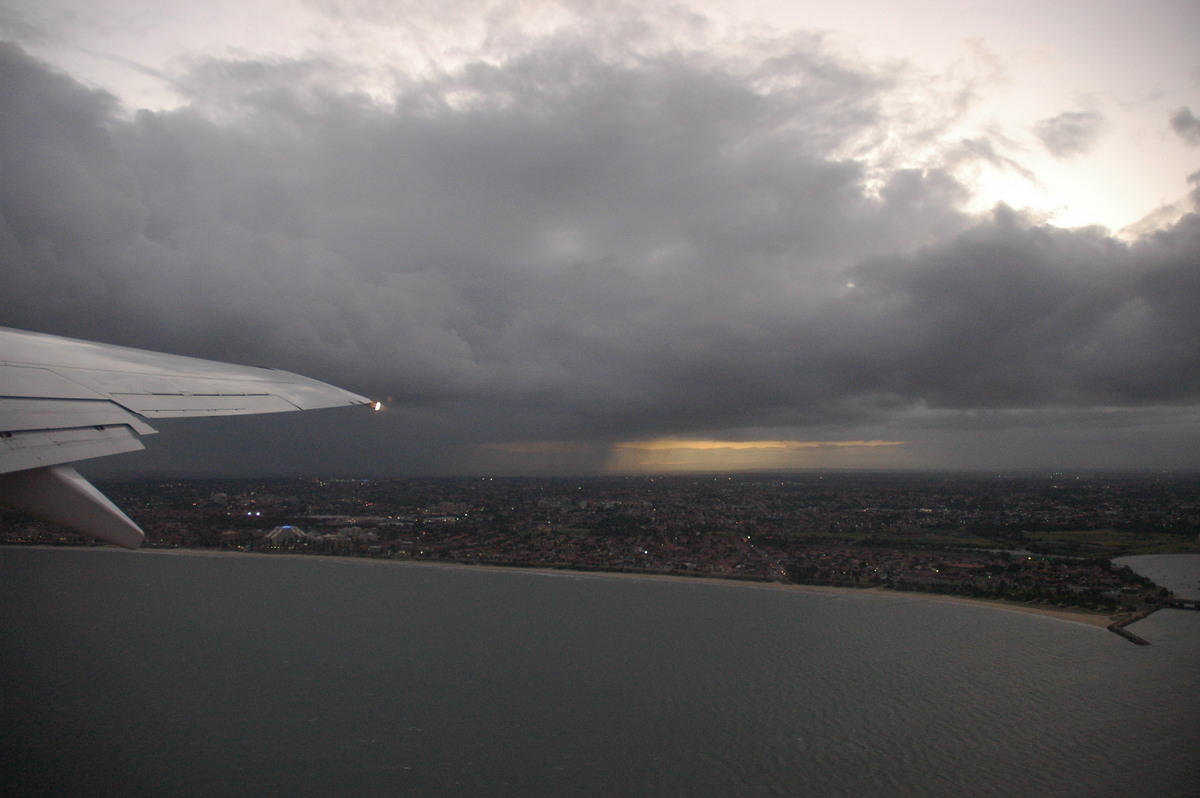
(565, 246)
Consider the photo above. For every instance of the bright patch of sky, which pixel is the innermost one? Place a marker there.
(1131, 63)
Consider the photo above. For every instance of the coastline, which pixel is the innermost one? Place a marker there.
(1100, 620)
(1097, 619)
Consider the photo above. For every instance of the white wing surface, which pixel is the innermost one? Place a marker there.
(63, 400)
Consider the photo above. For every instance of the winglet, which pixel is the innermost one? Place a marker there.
(60, 495)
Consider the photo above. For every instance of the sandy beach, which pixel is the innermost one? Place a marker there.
(1101, 620)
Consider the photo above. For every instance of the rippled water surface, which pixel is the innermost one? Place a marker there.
(148, 673)
(1179, 573)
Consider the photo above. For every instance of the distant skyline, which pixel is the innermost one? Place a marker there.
(584, 237)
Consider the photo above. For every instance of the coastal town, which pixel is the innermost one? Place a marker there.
(1046, 538)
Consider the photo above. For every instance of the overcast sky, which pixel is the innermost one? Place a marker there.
(585, 236)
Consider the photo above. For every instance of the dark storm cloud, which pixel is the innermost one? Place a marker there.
(1070, 133)
(1185, 123)
(564, 246)
(1009, 314)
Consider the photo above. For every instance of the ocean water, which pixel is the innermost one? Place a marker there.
(157, 674)
(1179, 573)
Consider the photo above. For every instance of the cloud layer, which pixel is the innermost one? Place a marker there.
(1185, 123)
(1070, 133)
(584, 245)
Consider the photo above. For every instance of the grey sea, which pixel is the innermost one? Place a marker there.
(1179, 573)
(158, 674)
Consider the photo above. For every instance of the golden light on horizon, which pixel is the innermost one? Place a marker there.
(668, 454)
(682, 443)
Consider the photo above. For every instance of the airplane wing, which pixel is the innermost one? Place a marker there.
(63, 400)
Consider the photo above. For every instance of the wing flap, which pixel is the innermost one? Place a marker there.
(21, 414)
(175, 405)
(39, 448)
(42, 432)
